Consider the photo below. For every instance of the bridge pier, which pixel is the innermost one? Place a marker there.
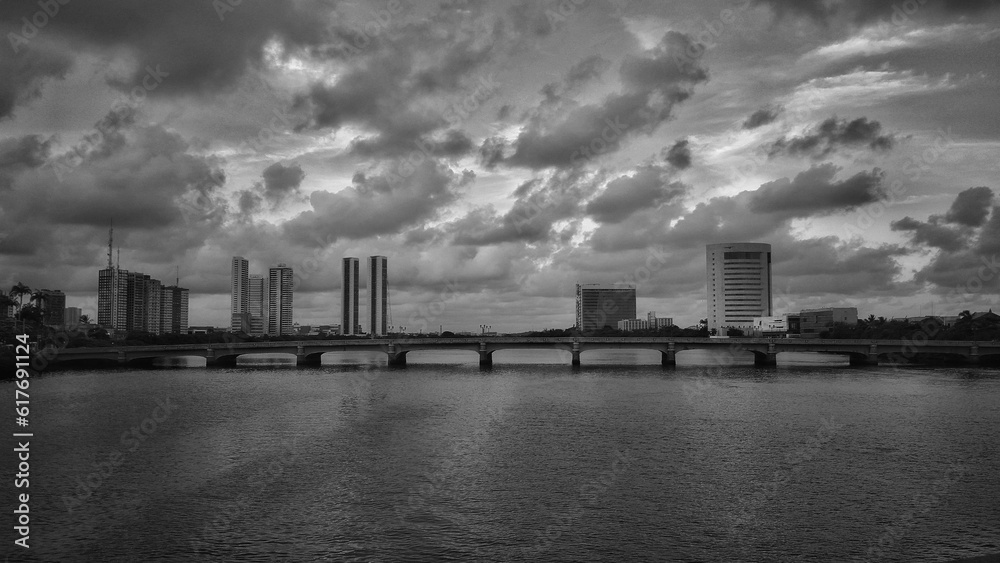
(770, 359)
(866, 360)
(576, 353)
(304, 360)
(668, 358)
(397, 359)
(485, 358)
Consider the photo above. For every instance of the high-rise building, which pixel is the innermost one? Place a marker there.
(112, 300)
(174, 310)
(601, 305)
(257, 304)
(279, 313)
(71, 316)
(239, 301)
(154, 305)
(378, 295)
(738, 282)
(53, 305)
(349, 318)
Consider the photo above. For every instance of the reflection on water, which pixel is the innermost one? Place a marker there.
(180, 362)
(266, 360)
(617, 460)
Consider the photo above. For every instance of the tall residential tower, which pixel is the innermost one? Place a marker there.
(738, 281)
(239, 302)
(378, 295)
(349, 319)
(279, 304)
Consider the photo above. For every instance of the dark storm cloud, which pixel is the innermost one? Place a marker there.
(152, 185)
(282, 181)
(491, 152)
(971, 207)
(825, 265)
(381, 204)
(679, 154)
(833, 133)
(861, 11)
(530, 16)
(586, 70)
(652, 84)
(762, 116)
(20, 154)
(954, 230)
(816, 192)
(537, 207)
(25, 71)
(411, 94)
(453, 144)
(930, 234)
(974, 268)
(967, 241)
(202, 46)
(647, 188)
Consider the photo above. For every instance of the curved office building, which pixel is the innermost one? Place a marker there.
(738, 280)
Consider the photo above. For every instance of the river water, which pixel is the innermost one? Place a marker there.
(532, 460)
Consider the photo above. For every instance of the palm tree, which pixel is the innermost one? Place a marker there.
(20, 290)
(85, 319)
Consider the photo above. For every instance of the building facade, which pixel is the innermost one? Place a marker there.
(174, 310)
(378, 295)
(112, 299)
(812, 323)
(773, 326)
(53, 305)
(257, 304)
(349, 319)
(279, 301)
(603, 305)
(239, 300)
(738, 282)
(71, 316)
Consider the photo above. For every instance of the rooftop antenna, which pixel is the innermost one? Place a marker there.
(178, 273)
(119, 265)
(111, 239)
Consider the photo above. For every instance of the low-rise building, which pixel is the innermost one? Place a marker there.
(811, 323)
(771, 326)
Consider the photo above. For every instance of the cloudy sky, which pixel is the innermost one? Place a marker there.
(500, 152)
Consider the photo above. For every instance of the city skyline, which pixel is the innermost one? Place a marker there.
(499, 155)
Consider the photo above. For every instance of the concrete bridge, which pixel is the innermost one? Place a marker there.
(765, 350)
